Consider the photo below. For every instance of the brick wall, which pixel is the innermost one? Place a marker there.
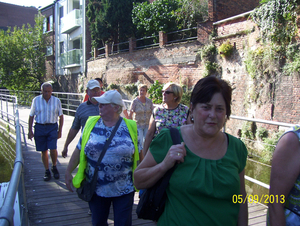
(50, 60)
(175, 63)
(225, 8)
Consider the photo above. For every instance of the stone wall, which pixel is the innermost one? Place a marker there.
(279, 99)
(176, 63)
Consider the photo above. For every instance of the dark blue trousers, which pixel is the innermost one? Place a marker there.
(122, 207)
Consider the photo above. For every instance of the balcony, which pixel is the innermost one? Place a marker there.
(71, 22)
(72, 58)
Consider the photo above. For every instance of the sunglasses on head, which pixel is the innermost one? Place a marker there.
(166, 91)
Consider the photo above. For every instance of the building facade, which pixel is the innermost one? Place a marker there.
(66, 25)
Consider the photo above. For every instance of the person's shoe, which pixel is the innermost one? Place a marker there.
(47, 175)
(55, 172)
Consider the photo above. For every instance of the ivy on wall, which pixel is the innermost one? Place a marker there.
(277, 20)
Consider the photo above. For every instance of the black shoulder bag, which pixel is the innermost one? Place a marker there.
(87, 189)
(152, 201)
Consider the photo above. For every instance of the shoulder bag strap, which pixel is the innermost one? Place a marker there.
(164, 181)
(176, 140)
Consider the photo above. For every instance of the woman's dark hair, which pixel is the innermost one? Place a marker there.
(207, 87)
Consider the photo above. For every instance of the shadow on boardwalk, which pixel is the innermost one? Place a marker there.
(50, 203)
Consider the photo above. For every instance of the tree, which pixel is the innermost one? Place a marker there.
(191, 12)
(110, 21)
(22, 57)
(150, 18)
(168, 15)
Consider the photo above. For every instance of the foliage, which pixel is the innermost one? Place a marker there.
(6, 170)
(269, 146)
(277, 20)
(110, 21)
(155, 92)
(186, 96)
(132, 89)
(207, 54)
(292, 64)
(167, 15)
(261, 133)
(190, 12)
(226, 49)
(150, 18)
(113, 86)
(248, 130)
(7, 155)
(22, 57)
(262, 61)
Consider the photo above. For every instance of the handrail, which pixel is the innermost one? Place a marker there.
(7, 209)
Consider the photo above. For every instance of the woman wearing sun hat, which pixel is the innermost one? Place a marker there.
(115, 173)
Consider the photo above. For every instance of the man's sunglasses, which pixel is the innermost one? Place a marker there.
(166, 92)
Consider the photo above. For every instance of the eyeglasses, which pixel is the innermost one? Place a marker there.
(166, 91)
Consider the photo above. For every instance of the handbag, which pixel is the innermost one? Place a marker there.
(87, 189)
(152, 201)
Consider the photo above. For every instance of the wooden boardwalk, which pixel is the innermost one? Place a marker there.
(50, 203)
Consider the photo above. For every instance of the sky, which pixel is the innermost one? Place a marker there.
(35, 3)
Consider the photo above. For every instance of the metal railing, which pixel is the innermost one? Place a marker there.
(69, 101)
(16, 184)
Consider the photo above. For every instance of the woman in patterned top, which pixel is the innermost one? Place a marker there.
(115, 181)
(141, 109)
(170, 114)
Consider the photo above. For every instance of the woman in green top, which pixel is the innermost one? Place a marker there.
(211, 164)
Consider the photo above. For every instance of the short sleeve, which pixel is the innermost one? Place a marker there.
(76, 122)
(32, 109)
(60, 112)
(160, 145)
(132, 107)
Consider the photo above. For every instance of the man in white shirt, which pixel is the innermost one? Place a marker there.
(46, 109)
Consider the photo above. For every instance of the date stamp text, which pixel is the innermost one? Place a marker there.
(264, 199)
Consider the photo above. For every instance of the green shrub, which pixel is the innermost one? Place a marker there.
(155, 92)
(132, 89)
(226, 49)
(207, 54)
(269, 147)
(113, 86)
(261, 133)
(186, 96)
(248, 130)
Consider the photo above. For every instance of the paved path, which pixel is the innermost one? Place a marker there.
(50, 203)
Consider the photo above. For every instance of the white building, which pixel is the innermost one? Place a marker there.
(70, 37)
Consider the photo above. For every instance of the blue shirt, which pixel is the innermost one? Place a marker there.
(83, 112)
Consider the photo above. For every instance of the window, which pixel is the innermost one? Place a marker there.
(48, 24)
(76, 5)
(76, 44)
(49, 51)
(61, 48)
(61, 13)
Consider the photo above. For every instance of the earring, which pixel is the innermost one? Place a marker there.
(192, 118)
